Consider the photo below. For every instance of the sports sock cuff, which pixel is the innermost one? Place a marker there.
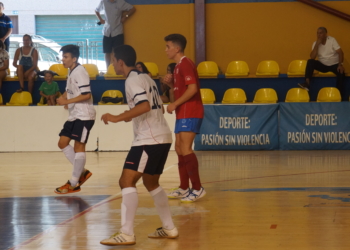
(129, 190)
(66, 149)
(156, 191)
(190, 157)
(80, 155)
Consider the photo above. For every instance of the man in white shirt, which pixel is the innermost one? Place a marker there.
(330, 58)
(149, 150)
(116, 13)
(80, 121)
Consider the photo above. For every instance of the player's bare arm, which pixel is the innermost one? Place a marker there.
(189, 93)
(80, 98)
(138, 110)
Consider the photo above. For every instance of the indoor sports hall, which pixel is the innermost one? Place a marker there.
(273, 157)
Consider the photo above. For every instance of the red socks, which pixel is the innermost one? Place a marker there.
(191, 163)
(184, 178)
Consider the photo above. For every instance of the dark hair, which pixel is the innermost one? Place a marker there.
(49, 72)
(125, 53)
(2, 5)
(172, 67)
(178, 39)
(143, 66)
(322, 28)
(30, 38)
(72, 49)
(2, 45)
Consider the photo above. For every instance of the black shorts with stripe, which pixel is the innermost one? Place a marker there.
(148, 159)
(77, 130)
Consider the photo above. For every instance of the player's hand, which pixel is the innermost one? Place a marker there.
(65, 106)
(102, 21)
(123, 19)
(106, 118)
(340, 68)
(61, 101)
(171, 107)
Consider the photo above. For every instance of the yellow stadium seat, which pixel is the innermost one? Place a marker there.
(111, 75)
(60, 70)
(111, 93)
(297, 68)
(265, 95)
(20, 99)
(1, 100)
(329, 73)
(237, 69)
(208, 96)
(268, 68)
(208, 69)
(152, 68)
(329, 95)
(234, 95)
(92, 70)
(297, 95)
(9, 77)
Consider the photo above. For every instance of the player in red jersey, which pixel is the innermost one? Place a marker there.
(189, 111)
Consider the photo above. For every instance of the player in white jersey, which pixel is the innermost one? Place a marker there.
(149, 150)
(80, 121)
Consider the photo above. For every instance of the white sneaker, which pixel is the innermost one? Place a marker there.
(164, 233)
(194, 195)
(178, 193)
(119, 238)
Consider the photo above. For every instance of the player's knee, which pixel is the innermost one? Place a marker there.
(62, 145)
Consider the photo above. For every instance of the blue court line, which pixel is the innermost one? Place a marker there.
(327, 197)
(314, 189)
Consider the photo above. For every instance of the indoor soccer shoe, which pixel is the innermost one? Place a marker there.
(194, 195)
(178, 193)
(119, 239)
(84, 177)
(67, 189)
(164, 233)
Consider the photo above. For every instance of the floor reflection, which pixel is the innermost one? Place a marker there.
(24, 217)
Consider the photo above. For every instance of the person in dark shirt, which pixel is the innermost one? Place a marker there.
(5, 27)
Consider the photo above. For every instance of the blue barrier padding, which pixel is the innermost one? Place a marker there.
(238, 127)
(311, 126)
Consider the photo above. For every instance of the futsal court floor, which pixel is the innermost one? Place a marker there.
(256, 200)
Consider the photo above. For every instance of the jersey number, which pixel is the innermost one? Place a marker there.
(155, 96)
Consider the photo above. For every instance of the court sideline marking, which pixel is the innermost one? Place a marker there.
(107, 200)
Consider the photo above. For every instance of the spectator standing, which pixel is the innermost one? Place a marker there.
(116, 13)
(4, 63)
(5, 27)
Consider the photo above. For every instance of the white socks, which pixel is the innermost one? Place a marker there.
(69, 153)
(129, 206)
(161, 202)
(78, 167)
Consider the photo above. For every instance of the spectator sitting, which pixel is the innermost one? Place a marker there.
(28, 60)
(49, 89)
(140, 66)
(330, 58)
(166, 96)
(4, 63)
